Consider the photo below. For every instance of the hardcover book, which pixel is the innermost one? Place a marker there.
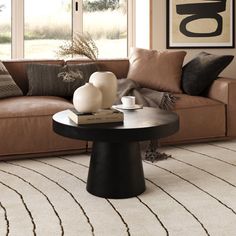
(102, 116)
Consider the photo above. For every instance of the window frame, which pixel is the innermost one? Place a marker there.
(17, 29)
(17, 25)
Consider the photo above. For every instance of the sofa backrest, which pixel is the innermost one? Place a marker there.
(119, 67)
(17, 68)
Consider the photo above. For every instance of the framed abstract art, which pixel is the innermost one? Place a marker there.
(200, 24)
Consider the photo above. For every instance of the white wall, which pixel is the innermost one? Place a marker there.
(159, 38)
(142, 20)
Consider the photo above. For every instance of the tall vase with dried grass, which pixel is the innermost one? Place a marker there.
(82, 45)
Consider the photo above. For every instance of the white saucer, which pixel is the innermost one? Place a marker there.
(121, 106)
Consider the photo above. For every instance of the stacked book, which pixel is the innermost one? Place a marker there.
(102, 116)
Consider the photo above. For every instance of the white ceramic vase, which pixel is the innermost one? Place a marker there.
(106, 81)
(87, 98)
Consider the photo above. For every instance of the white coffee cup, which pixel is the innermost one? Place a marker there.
(128, 101)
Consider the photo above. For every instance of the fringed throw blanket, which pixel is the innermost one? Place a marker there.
(149, 98)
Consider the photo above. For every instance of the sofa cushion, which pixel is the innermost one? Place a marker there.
(157, 70)
(185, 101)
(55, 80)
(8, 87)
(32, 106)
(199, 73)
(200, 118)
(26, 125)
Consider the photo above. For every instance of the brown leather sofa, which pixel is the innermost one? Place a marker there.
(26, 122)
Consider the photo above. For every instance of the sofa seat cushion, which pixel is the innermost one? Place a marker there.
(26, 126)
(185, 101)
(32, 106)
(200, 118)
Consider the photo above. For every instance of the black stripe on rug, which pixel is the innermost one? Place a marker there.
(60, 186)
(199, 188)
(6, 218)
(195, 217)
(48, 200)
(113, 207)
(25, 206)
(203, 154)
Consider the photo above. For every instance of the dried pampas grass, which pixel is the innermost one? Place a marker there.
(82, 44)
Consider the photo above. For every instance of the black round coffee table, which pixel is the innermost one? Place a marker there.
(116, 169)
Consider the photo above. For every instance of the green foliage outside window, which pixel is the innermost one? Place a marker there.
(100, 5)
(1, 7)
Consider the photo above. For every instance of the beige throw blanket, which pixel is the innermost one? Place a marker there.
(149, 98)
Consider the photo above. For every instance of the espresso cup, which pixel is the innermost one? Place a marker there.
(128, 101)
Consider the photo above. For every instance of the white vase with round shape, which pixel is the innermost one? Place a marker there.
(87, 98)
(106, 81)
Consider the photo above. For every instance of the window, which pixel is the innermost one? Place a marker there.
(5, 29)
(46, 25)
(106, 22)
(39, 27)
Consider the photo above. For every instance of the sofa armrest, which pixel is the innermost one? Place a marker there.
(224, 90)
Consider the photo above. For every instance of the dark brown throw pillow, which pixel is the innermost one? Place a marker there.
(8, 87)
(200, 72)
(57, 80)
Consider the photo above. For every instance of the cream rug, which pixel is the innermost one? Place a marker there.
(193, 193)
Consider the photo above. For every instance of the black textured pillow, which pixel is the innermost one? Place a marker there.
(57, 80)
(199, 73)
(8, 87)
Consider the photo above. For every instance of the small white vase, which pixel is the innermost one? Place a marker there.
(106, 81)
(87, 98)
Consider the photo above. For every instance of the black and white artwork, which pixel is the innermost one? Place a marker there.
(200, 23)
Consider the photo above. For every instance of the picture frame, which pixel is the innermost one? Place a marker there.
(200, 24)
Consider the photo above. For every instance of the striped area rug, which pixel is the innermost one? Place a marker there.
(193, 193)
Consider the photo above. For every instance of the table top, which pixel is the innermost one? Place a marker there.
(139, 125)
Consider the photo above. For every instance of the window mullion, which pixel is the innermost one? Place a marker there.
(77, 16)
(17, 29)
(131, 24)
